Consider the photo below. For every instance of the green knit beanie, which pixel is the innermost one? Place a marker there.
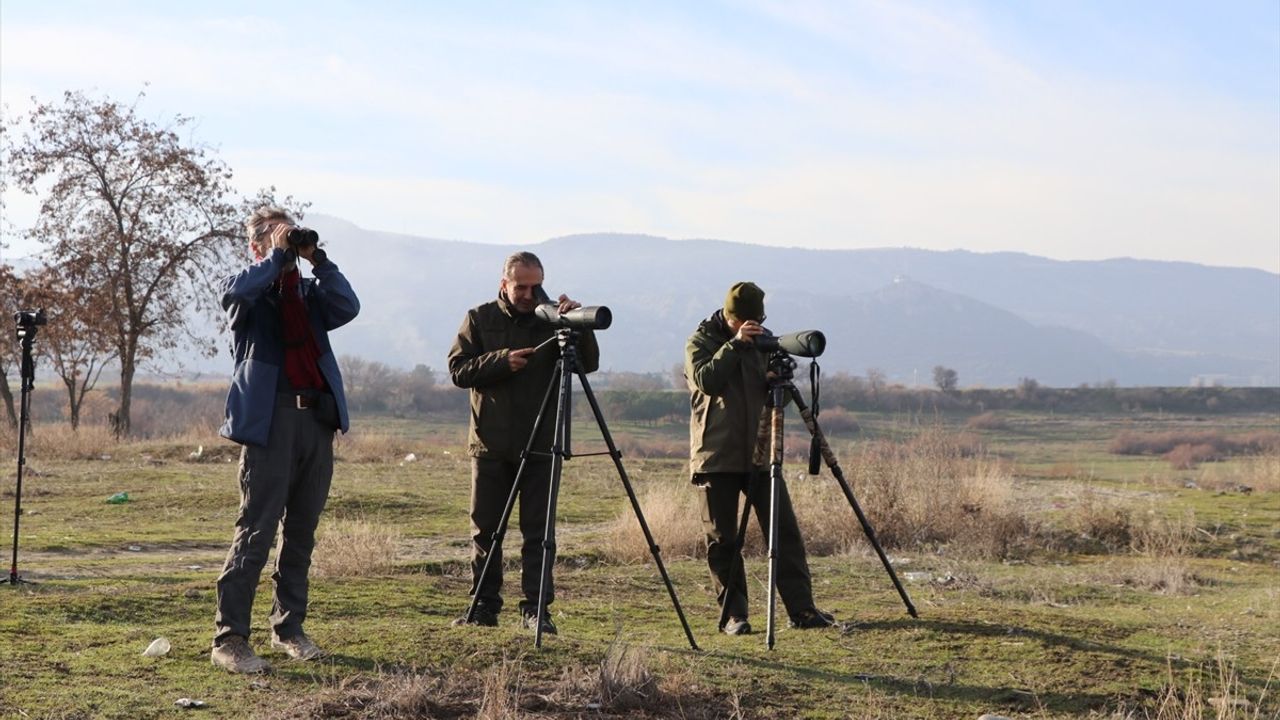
(745, 301)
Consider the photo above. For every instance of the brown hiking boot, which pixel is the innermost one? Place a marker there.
(298, 647)
(234, 655)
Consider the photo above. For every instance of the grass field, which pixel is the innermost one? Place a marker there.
(1128, 589)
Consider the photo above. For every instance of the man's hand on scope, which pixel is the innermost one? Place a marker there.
(565, 304)
(748, 331)
(517, 359)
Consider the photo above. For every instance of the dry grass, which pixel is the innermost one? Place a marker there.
(500, 694)
(393, 696)
(624, 680)
(1162, 547)
(987, 421)
(933, 490)
(673, 509)
(1213, 690)
(621, 686)
(645, 447)
(1165, 546)
(938, 489)
(1095, 521)
(374, 446)
(57, 441)
(353, 548)
(1259, 473)
(359, 446)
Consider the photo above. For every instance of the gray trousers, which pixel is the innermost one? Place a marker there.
(284, 484)
(720, 520)
(491, 482)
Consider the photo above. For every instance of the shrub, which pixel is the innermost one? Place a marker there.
(838, 421)
(1254, 443)
(1186, 456)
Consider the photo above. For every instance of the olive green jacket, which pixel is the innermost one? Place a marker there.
(728, 390)
(505, 403)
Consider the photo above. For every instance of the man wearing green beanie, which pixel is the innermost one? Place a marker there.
(727, 380)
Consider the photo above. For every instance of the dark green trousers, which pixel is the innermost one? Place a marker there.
(720, 519)
(491, 482)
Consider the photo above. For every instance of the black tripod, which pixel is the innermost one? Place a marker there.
(28, 324)
(782, 366)
(566, 369)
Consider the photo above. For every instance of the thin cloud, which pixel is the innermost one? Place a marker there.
(828, 124)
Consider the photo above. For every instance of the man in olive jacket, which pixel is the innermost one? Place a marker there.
(728, 384)
(496, 356)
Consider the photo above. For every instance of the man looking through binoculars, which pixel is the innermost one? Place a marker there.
(496, 356)
(285, 403)
(728, 381)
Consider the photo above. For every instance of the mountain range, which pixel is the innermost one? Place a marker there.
(993, 317)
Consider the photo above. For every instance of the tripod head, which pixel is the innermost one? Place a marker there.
(567, 337)
(782, 367)
(28, 323)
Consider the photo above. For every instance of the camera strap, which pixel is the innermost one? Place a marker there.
(815, 446)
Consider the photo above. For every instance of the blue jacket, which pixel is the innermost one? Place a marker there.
(254, 316)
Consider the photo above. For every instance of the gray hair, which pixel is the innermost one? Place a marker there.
(263, 215)
(527, 259)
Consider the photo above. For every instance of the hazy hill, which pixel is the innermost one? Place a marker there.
(993, 317)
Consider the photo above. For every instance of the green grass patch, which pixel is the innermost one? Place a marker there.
(1061, 632)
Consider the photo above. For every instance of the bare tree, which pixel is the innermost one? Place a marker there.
(876, 380)
(946, 379)
(10, 292)
(369, 383)
(135, 210)
(77, 340)
(1028, 388)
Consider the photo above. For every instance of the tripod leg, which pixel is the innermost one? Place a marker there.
(28, 371)
(635, 507)
(738, 562)
(830, 458)
(559, 447)
(775, 487)
(501, 531)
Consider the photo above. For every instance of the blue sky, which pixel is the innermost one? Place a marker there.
(1071, 129)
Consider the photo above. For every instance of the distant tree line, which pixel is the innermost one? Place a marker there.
(374, 388)
(872, 392)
